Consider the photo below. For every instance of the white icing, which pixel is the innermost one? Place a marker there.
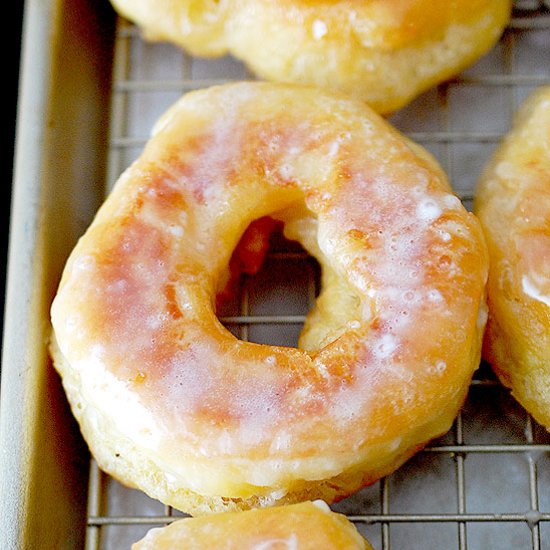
(105, 392)
(176, 230)
(482, 316)
(286, 171)
(319, 28)
(155, 321)
(280, 442)
(302, 392)
(71, 322)
(84, 263)
(290, 543)
(452, 202)
(428, 210)
(225, 442)
(439, 368)
(334, 148)
(322, 369)
(97, 351)
(347, 405)
(386, 346)
(418, 190)
(530, 288)
(322, 505)
(170, 479)
(434, 295)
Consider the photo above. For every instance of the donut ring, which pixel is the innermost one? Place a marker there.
(513, 203)
(170, 401)
(309, 525)
(385, 52)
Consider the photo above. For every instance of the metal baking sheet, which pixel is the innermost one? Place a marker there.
(92, 89)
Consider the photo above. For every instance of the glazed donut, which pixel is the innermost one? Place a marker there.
(171, 402)
(305, 526)
(513, 203)
(385, 52)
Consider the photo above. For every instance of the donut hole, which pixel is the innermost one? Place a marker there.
(272, 285)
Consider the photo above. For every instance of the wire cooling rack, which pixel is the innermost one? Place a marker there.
(484, 485)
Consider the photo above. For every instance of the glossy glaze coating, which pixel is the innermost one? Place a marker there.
(306, 526)
(172, 402)
(513, 203)
(384, 52)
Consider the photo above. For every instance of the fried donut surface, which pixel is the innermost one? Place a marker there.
(170, 401)
(513, 203)
(384, 52)
(305, 526)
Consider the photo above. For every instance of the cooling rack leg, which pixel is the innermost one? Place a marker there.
(94, 505)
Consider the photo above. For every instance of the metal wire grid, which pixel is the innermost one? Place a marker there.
(395, 512)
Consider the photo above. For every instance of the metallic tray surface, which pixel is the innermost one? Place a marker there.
(91, 91)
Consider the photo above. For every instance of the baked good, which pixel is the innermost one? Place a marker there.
(305, 526)
(385, 52)
(513, 204)
(171, 402)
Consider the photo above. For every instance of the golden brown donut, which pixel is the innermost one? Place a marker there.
(305, 526)
(513, 203)
(385, 52)
(171, 402)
